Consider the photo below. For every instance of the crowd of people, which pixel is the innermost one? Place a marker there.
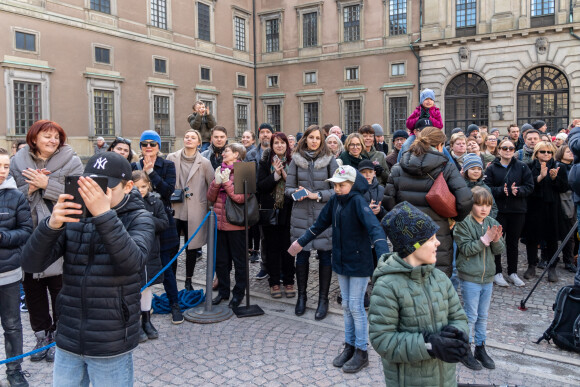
(322, 194)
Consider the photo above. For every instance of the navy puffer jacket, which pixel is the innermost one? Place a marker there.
(99, 304)
(153, 265)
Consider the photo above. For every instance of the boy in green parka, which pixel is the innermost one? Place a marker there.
(416, 322)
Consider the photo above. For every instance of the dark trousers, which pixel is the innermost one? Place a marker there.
(568, 250)
(190, 254)
(10, 316)
(254, 238)
(532, 251)
(278, 238)
(169, 281)
(37, 301)
(231, 247)
(512, 225)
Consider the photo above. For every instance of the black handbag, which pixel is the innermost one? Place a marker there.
(235, 211)
(177, 196)
(269, 216)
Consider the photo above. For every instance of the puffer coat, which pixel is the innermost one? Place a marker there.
(412, 178)
(99, 304)
(217, 194)
(407, 301)
(153, 265)
(312, 175)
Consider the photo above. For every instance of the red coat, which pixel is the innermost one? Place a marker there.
(218, 197)
(434, 116)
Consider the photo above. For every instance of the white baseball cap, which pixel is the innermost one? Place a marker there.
(343, 173)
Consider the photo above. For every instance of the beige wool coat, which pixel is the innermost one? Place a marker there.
(198, 180)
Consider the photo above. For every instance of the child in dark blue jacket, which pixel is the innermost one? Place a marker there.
(355, 229)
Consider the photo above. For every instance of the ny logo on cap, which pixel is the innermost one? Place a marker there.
(100, 163)
(428, 122)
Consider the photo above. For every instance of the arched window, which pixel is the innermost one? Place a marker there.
(466, 102)
(543, 95)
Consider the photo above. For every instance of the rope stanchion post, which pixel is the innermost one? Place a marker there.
(208, 313)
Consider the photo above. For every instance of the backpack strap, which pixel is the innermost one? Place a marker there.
(558, 306)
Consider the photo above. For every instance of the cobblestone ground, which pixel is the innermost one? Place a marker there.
(280, 348)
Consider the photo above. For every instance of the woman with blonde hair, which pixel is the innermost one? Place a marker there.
(353, 150)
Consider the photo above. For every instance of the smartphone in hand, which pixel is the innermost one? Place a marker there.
(71, 187)
(299, 194)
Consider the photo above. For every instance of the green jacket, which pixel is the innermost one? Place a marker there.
(407, 301)
(379, 158)
(475, 261)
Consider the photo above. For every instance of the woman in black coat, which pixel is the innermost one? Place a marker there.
(271, 185)
(411, 179)
(510, 181)
(545, 208)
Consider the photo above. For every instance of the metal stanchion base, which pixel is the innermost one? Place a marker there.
(248, 311)
(201, 316)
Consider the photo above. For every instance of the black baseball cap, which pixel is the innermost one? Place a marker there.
(111, 165)
(365, 164)
(423, 123)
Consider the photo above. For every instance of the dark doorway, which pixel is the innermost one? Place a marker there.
(466, 102)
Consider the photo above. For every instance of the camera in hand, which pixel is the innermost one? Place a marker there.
(71, 187)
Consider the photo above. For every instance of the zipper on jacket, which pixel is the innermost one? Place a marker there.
(83, 295)
(441, 380)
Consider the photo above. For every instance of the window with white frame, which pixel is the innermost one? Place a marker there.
(272, 35)
(351, 22)
(160, 65)
(397, 17)
(27, 105)
(103, 6)
(242, 119)
(397, 69)
(104, 108)
(352, 73)
(352, 115)
(397, 113)
(159, 13)
(310, 114)
(102, 55)
(310, 29)
(240, 32)
(25, 41)
(203, 22)
(310, 78)
(273, 113)
(205, 74)
(104, 104)
(272, 81)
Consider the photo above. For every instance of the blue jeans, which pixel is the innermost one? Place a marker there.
(324, 256)
(353, 291)
(476, 300)
(407, 145)
(76, 370)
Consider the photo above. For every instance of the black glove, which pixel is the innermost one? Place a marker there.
(447, 349)
(452, 332)
(379, 170)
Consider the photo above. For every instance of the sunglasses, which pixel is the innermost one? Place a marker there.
(508, 148)
(145, 144)
(123, 140)
(545, 152)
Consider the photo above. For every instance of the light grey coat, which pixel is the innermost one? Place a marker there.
(199, 178)
(312, 175)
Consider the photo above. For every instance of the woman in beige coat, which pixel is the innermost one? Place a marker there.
(194, 175)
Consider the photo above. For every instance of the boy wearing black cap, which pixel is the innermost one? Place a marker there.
(399, 138)
(416, 322)
(104, 255)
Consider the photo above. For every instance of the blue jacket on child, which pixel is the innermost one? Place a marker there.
(355, 229)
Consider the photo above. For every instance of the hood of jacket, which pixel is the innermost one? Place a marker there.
(9, 183)
(131, 202)
(361, 186)
(391, 263)
(421, 165)
(319, 163)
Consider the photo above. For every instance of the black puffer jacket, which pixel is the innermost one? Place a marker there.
(410, 181)
(154, 205)
(266, 186)
(99, 303)
(15, 225)
(496, 176)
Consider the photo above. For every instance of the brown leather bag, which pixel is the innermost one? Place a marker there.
(440, 199)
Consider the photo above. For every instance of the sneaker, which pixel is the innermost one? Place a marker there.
(23, 307)
(514, 279)
(40, 343)
(255, 256)
(52, 350)
(17, 378)
(263, 274)
(176, 315)
(499, 280)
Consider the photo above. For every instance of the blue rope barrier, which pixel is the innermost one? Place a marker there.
(186, 300)
(27, 354)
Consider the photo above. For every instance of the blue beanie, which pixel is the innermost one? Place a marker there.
(471, 128)
(427, 93)
(471, 160)
(151, 135)
(408, 228)
(400, 133)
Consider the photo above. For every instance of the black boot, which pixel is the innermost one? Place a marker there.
(531, 272)
(148, 328)
(142, 335)
(345, 356)
(188, 286)
(17, 378)
(324, 276)
(470, 362)
(301, 281)
(552, 275)
(40, 342)
(483, 357)
(359, 361)
(52, 350)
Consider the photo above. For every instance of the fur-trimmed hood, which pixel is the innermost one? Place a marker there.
(319, 163)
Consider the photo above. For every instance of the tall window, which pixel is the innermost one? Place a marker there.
(397, 17)
(352, 115)
(310, 114)
(240, 28)
(273, 116)
(351, 19)
(203, 27)
(159, 13)
(310, 29)
(397, 113)
(542, 7)
(465, 11)
(272, 35)
(104, 112)
(543, 94)
(161, 115)
(101, 5)
(241, 119)
(466, 102)
(27, 108)
(25, 41)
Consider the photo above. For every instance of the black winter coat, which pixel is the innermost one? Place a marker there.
(545, 207)
(376, 192)
(99, 303)
(153, 265)
(15, 227)
(496, 176)
(266, 185)
(410, 181)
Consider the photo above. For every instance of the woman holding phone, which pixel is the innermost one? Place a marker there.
(312, 163)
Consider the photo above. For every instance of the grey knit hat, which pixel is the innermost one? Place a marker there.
(378, 130)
